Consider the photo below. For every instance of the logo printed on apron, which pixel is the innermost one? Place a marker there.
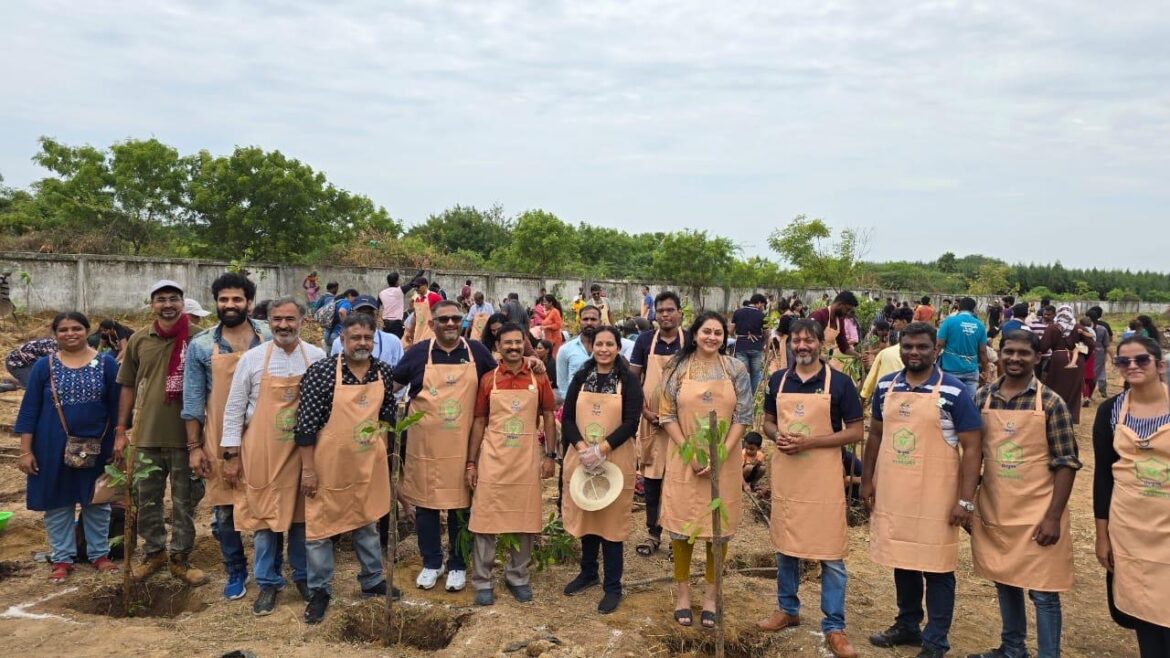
(798, 410)
(286, 422)
(594, 432)
(1010, 455)
(904, 443)
(364, 434)
(513, 428)
(904, 410)
(288, 395)
(449, 411)
(1152, 473)
(707, 396)
(362, 401)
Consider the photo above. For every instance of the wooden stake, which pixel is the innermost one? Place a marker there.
(127, 527)
(714, 439)
(392, 543)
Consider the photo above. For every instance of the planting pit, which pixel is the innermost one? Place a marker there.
(740, 641)
(163, 599)
(426, 627)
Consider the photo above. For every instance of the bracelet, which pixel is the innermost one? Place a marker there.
(470, 466)
(25, 454)
(308, 475)
(194, 446)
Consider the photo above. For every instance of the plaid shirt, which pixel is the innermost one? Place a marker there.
(1062, 438)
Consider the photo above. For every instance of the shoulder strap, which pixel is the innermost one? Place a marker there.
(56, 399)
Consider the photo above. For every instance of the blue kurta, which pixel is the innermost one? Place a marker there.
(89, 399)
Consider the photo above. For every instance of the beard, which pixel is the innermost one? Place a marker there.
(805, 359)
(231, 317)
(360, 355)
(284, 337)
(919, 367)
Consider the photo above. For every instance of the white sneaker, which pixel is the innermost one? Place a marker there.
(456, 581)
(427, 578)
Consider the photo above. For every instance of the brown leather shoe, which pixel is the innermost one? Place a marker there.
(183, 570)
(149, 566)
(779, 621)
(840, 645)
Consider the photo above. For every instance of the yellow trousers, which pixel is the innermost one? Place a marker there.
(683, 550)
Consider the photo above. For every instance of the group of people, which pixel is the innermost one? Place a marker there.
(292, 445)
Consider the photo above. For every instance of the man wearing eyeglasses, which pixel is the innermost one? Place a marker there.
(1020, 532)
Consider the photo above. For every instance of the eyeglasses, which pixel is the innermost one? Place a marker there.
(448, 319)
(1141, 361)
(167, 300)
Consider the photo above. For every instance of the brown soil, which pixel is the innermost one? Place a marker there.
(200, 622)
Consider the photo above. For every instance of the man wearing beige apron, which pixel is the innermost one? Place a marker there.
(212, 356)
(443, 374)
(651, 352)
(345, 475)
(918, 488)
(422, 304)
(601, 414)
(263, 467)
(832, 320)
(811, 415)
(1020, 534)
(505, 464)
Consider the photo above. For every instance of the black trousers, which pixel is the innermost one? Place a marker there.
(653, 489)
(611, 556)
(393, 327)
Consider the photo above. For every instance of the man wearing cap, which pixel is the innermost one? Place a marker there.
(387, 346)
(151, 377)
(596, 299)
(505, 464)
(211, 361)
(195, 311)
(421, 305)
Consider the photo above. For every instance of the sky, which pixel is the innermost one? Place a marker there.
(1028, 131)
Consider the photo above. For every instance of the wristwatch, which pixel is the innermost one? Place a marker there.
(229, 455)
(551, 455)
(967, 505)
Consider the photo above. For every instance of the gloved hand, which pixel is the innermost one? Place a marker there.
(592, 459)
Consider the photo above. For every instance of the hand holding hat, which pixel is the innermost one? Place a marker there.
(592, 459)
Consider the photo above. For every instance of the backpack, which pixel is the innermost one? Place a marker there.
(326, 314)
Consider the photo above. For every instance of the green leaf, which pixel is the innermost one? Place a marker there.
(715, 504)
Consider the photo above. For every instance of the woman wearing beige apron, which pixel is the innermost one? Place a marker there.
(651, 353)
(421, 304)
(699, 380)
(918, 489)
(1020, 535)
(345, 476)
(506, 464)
(601, 414)
(1131, 495)
(811, 414)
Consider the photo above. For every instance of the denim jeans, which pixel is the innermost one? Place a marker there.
(268, 546)
(611, 555)
(833, 579)
(20, 374)
(369, 555)
(940, 604)
(430, 544)
(231, 544)
(755, 365)
(1015, 622)
(95, 520)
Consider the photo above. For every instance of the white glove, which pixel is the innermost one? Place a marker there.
(592, 459)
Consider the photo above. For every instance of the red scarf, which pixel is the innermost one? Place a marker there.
(181, 332)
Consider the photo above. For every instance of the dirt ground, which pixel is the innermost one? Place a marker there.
(37, 618)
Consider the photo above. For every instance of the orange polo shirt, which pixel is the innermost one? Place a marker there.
(508, 381)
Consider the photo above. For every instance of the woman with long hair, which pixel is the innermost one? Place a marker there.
(603, 407)
(553, 323)
(543, 351)
(494, 323)
(1069, 344)
(700, 379)
(1149, 329)
(66, 427)
(1131, 495)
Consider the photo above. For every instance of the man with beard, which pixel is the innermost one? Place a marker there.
(811, 414)
(345, 475)
(212, 358)
(505, 464)
(387, 346)
(920, 489)
(651, 352)
(151, 377)
(597, 300)
(575, 353)
(832, 320)
(261, 465)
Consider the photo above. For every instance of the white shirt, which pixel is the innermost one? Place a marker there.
(627, 348)
(387, 348)
(245, 390)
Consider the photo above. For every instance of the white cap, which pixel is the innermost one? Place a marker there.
(192, 307)
(164, 283)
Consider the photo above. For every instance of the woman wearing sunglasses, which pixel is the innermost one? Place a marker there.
(1131, 495)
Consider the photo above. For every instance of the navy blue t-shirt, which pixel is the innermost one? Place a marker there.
(957, 412)
(844, 402)
(662, 348)
(410, 369)
(749, 329)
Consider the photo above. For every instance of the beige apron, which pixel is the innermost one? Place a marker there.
(1139, 516)
(422, 321)
(917, 486)
(507, 495)
(685, 495)
(808, 488)
(598, 415)
(1013, 497)
(654, 442)
(353, 474)
(269, 497)
(478, 323)
(436, 447)
(223, 368)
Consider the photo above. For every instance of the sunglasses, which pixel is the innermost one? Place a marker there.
(448, 319)
(1141, 361)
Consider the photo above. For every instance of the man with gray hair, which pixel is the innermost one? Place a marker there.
(261, 461)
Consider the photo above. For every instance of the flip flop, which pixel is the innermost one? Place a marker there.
(684, 617)
(707, 619)
(648, 547)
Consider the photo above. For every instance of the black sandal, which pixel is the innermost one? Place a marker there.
(684, 617)
(707, 619)
(648, 547)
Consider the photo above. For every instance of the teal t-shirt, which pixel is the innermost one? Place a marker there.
(963, 334)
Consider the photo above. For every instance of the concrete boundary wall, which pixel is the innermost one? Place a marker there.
(118, 284)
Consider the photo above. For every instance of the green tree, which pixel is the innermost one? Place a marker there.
(541, 244)
(693, 260)
(806, 243)
(466, 228)
(992, 279)
(947, 263)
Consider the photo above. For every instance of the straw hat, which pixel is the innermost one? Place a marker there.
(595, 492)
